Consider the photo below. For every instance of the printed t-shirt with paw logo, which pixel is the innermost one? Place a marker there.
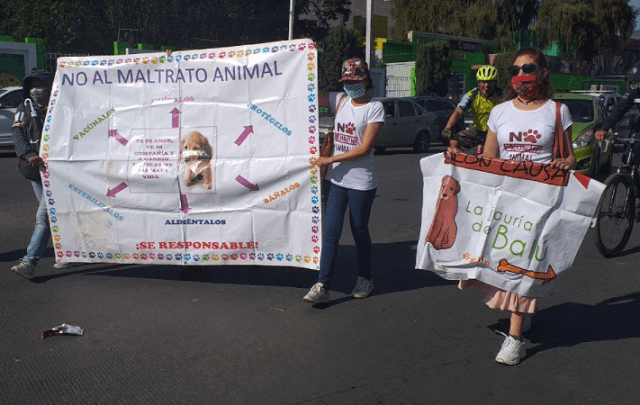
(360, 173)
(527, 135)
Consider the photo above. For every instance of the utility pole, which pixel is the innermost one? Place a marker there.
(369, 38)
(292, 4)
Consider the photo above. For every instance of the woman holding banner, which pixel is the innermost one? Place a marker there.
(529, 112)
(351, 176)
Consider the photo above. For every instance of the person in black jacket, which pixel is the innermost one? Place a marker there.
(630, 98)
(26, 131)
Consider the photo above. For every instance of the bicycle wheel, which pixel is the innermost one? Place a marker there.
(616, 213)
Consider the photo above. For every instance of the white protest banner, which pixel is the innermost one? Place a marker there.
(514, 225)
(200, 157)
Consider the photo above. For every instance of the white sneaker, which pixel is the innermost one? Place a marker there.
(511, 352)
(24, 269)
(64, 265)
(317, 294)
(363, 288)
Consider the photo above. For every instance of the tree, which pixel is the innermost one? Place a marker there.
(200, 23)
(313, 17)
(433, 67)
(339, 45)
(514, 22)
(575, 25)
(91, 26)
(583, 25)
(502, 20)
(438, 16)
(502, 63)
(70, 25)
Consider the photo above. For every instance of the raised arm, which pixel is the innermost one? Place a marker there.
(618, 112)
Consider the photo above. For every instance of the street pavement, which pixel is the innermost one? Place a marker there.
(243, 335)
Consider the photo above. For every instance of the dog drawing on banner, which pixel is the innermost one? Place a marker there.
(196, 154)
(443, 230)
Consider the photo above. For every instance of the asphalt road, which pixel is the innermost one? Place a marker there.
(243, 335)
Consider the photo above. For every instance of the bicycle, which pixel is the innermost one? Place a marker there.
(617, 209)
(470, 143)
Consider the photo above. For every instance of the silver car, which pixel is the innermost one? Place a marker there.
(443, 108)
(10, 99)
(406, 124)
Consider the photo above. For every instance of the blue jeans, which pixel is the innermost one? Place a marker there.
(360, 203)
(41, 233)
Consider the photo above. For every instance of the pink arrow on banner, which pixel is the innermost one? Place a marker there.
(116, 189)
(113, 133)
(243, 136)
(175, 114)
(185, 203)
(247, 183)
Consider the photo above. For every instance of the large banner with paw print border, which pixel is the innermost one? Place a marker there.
(513, 225)
(199, 157)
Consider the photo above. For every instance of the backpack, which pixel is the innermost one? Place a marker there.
(32, 128)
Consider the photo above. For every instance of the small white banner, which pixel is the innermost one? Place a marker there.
(514, 225)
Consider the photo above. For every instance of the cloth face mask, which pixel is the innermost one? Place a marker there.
(526, 87)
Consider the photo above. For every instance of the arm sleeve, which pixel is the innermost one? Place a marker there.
(623, 106)
(22, 144)
(333, 99)
(376, 112)
(565, 117)
(491, 121)
(467, 100)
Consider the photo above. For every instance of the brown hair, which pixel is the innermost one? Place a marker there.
(546, 88)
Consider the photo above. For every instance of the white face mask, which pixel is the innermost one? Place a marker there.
(39, 94)
(355, 90)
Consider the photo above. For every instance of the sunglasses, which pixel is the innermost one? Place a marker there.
(527, 69)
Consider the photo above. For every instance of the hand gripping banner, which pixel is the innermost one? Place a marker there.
(199, 157)
(514, 225)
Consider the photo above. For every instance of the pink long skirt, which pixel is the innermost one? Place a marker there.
(501, 299)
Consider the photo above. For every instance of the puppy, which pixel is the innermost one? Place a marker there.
(443, 229)
(196, 154)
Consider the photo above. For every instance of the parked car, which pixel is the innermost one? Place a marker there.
(588, 110)
(10, 98)
(406, 124)
(442, 108)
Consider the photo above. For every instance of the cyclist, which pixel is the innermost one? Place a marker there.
(630, 98)
(481, 100)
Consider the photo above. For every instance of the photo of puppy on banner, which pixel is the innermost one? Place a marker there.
(196, 156)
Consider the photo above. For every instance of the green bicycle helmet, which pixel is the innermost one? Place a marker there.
(487, 73)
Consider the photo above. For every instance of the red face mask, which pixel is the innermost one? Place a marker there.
(526, 87)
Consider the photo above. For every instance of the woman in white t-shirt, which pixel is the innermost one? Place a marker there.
(523, 129)
(351, 176)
